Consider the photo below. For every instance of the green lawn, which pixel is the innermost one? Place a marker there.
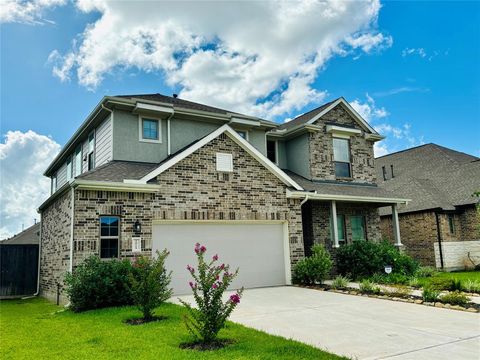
(37, 329)
(459, 275)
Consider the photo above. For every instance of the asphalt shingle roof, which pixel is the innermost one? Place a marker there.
(432, 176)
(29, 236)
(306, 117)
(117, 171)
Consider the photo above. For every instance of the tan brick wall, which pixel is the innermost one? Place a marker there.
(191, 189)
(321, 149)
(55, 245)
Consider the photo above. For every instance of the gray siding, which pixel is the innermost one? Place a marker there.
(184, 132)
(62, 175)
(126, 143)
(256, 137)
(281, 155)
(298, 155)
(104, 142)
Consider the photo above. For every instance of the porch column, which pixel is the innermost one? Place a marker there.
(396, 226)
(333, 211)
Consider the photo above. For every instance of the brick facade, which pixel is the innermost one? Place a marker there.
(321, 149)
(55, 245)
(420, 235)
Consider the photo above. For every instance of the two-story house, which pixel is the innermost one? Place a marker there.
(148, 172)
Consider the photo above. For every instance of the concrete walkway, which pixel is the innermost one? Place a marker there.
(361, 327)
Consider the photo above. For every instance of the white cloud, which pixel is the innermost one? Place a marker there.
(256, 57)
(422, 53)
(23, 158)
(368, 110)
(400, 90)
(27, 12)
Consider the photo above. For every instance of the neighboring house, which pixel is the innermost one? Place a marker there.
(29, 236)
(147, 172)
(441, 225)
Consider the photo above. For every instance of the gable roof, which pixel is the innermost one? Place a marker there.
(29, 236)
(433, 176)
(232, 134)
(315, 114)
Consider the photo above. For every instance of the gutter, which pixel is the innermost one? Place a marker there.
(315, 196)
(307, 197)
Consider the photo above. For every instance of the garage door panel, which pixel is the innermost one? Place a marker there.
(256, 249)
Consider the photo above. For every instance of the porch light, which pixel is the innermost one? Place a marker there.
(137, 227)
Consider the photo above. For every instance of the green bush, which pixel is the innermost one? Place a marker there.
(340, 282)
(363, 259)
(425, 271)
(313, 269)
(455, 298)
(472, 286)
(368, 287)
(392, 278)
(414, 282)
(96, 284)
(149, 283)
(430, 294)
(448, 284)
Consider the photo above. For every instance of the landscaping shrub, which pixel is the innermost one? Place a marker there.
(430, 294)
(149, 283)
(472, 286)
(96, 284)
(364, 259)
(313, 269)
(392, 278)
(210, 282)
(414, 282)
(340, 282)
(425, 271)
(368, 287)
(448, 284)
(455, 298)
(398, 291)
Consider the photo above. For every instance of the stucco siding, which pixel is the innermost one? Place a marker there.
(183, 132)
(104, 142)
(298, 155)
(281, 154)
(256, 137)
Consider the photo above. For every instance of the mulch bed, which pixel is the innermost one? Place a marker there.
(200, 346)
(141, 321)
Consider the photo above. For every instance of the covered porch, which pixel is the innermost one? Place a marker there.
(334, 214)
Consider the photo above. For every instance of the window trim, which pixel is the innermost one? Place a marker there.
(246, 134)
(108, 237)
(342, 162)
(53, 185)
(91, 151)
(140, 129)
(276, 150)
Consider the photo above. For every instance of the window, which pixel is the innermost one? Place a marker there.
(358, 228)
(69, 168)
(243, 134)
(340, 228)
(54, 184)
(149, 130)
(341, 157)
(272, 151)
(109, 226)
(78, 160)
(451, 223)
(224, 162)
(91, 151)
(384, 171)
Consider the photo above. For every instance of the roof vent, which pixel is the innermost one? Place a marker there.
(175, 96)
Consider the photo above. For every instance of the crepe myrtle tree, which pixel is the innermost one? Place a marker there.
(209, 283)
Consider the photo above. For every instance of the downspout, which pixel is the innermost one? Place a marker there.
(307, 197)
(439, 238)
(72, 214)
(169, 147)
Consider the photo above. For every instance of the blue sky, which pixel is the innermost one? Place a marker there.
(411, 68)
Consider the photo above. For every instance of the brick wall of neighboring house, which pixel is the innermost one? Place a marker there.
(321, 221)
(191, 190)
(418, 232)
(55, 246)
(321, 149)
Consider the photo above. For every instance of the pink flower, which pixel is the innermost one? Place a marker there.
(214, 286)
(189, 268)
(197, 248)
(215, 257)
(221, 267)
(235, 298)
(192, 285)
(217, 277)
(203, 249)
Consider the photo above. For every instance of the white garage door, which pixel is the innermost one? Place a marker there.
(257, 249)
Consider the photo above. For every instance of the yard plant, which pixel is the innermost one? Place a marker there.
(368, 287)
(430, 294)
(455, 298)
(340, 282)
(313, 269)
(210, 281)
(149, 283)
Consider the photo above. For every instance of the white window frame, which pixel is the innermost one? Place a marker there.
(109, 237)
(140, 129)
(54, 184)
(91, 149)
(343, 162)
(218, 156)
(243, 131)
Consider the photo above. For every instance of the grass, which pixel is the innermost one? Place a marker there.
(460, 275)
(37, 329)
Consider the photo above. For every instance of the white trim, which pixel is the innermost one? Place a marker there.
(150, 107)
(140, 129)
(355, 114)
(333, 210)
(352, 198)
(343, 132)
(232, 134)
(235, 120)
(396, 226)
(247, 136)
(114, 186)
(72, 214)
(286, 236)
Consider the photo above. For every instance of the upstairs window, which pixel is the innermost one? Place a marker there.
(272, 151)
(149, 130)
(54, 184)
(341, 158)
(243, 134)
(109, 236)
(91, 151)
(69, 168)
(78, 160)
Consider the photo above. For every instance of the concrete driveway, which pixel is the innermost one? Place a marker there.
(361, 327)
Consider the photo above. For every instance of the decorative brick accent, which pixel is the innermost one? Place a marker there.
(321, 149)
